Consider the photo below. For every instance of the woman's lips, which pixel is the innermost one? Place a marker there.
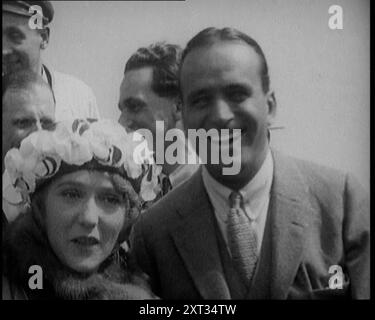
(85, 241)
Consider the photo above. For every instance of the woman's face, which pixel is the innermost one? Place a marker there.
(84, 216)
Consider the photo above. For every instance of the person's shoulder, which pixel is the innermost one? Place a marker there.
(316, 172)
(165, 211)
(322, 181)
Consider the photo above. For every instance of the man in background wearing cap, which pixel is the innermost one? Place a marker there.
(23, 42)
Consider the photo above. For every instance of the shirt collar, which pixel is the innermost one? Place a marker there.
(44, 75)
(257, 188)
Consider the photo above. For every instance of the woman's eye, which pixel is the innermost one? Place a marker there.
(71, 194)
(111, 199)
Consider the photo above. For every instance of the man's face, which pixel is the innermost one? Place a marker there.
(21, 45)
(222, 89)
(140, 106)
(25, 111)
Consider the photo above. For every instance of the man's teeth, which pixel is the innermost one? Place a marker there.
(226, 136)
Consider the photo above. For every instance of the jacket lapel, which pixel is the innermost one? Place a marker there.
(194, 236)
(290, 213)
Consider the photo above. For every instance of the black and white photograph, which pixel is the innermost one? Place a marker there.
(207, 150)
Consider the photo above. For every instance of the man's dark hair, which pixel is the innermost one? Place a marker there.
(213, 35)
(164, 59)
(23, 80)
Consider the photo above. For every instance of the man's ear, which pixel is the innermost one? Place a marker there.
(272, 105)
(44, 33)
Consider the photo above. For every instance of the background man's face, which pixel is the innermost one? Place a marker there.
(25, 111)
(140, 106)
(21, 45)
(222, 89)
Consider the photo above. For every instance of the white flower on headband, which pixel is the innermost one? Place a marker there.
(41, 152)
(76, 143)
(140, 155)
(107, 142)
(70, 146)
(148, 186)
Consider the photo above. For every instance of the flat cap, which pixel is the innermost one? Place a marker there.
(22, 8)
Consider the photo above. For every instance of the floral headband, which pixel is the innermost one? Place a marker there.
(77, 142)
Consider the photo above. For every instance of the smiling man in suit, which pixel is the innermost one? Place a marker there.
(275, 230)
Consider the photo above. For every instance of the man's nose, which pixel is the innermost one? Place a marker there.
(36, 126)
(89, 214)
(126, 121)
(221, 113)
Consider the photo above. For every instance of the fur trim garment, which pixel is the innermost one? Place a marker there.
(25, 244)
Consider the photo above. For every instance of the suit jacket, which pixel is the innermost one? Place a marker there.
(318, 217)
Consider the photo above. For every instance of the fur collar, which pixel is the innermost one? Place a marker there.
(26, 245)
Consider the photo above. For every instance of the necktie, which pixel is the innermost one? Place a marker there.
(242, 238)
(166, 185)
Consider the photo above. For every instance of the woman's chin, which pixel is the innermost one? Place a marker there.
(85, 266)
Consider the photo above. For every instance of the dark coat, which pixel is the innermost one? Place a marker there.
(318, 217)
(26, 245)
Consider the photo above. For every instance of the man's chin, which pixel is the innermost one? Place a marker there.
(12, 69)
(240, 169)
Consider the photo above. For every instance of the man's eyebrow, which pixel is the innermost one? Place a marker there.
(22, 116)
(239, 86)
(47, 118)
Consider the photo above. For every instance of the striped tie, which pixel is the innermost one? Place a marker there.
(166, 185)
(242, 238)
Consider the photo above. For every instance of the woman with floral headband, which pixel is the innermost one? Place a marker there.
(83, 183)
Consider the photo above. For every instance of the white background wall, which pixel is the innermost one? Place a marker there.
(321, 76)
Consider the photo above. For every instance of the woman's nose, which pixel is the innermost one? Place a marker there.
(89, 215)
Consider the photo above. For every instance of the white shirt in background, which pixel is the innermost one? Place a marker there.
(74, 99)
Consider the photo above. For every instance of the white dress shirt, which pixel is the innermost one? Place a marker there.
(256, 197)
(74, 98)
